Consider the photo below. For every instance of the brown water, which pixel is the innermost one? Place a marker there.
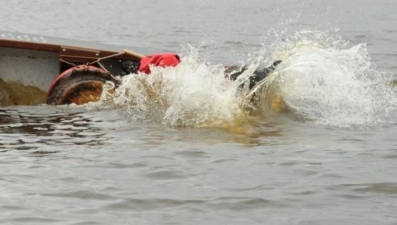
(15, 93)
(185, 157)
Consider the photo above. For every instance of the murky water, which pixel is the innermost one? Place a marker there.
(184, 147)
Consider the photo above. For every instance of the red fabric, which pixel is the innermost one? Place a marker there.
(161, 60)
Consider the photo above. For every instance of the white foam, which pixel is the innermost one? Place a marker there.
(321, 80)
(335, 85)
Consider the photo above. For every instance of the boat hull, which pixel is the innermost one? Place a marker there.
(29, 67)
(31, 62)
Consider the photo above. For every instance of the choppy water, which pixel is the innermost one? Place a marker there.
(190, 152)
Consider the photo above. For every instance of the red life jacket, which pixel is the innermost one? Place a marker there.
(161, 60)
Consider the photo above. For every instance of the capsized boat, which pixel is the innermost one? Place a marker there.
(40, 69)
(46, 70)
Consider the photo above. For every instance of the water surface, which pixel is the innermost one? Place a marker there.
(192, 160)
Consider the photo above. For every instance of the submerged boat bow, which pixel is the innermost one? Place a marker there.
(38, 69)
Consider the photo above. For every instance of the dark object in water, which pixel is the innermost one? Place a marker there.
(79, 85)
(258, 75)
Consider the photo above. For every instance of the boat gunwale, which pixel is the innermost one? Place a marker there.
(65, 51)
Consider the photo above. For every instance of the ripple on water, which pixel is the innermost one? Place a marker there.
(201, 205)
(45, 127)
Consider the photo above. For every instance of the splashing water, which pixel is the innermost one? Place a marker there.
(320, 80)
(192, 94)
(330, 84)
